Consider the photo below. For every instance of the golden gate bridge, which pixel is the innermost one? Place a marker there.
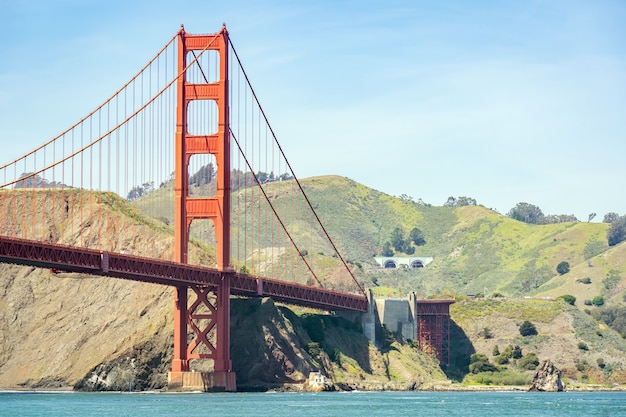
(190, 122)
(184, 149)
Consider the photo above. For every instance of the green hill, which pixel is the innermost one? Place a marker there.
(475, 250)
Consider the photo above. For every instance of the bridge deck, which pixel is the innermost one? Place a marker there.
(95, 262)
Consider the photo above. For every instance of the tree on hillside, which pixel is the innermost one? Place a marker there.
(28, 180)
(569, 299)
(495, 351)
(530, 361)
(610, 217)
(597, 301)
(562, 268)
(617, 232)
(417, 237)
(460, 202)
(558, 218)
(479, 362)
(527, 329)
(140, 191)
(204, 175)
(387, 251)
(591, 216)
(527, 213)
(614, 317)
(397, 239)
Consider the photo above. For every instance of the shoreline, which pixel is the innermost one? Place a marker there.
(297, 387)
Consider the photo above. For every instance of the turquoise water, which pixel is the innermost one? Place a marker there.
(344, 404)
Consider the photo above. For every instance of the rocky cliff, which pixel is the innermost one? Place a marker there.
(91, 333)
(547, 378)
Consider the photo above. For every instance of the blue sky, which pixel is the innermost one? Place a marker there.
(502, 101)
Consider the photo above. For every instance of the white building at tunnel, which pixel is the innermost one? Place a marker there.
(403, 261)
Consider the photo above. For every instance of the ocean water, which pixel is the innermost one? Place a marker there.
(344, 404)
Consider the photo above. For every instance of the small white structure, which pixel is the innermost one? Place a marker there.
(317, 382)
(403, 261)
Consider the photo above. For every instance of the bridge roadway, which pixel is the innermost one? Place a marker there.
(115, 265)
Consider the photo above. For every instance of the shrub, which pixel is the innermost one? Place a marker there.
(516, 353)
(495, 351)
(527, 329)
(501, 378)
(313, 348)
(583, 346)
(597, 301)
(486, 333)
(501, 359)
(508, 352)
(614, 317)
(480, 363)
(600, 363)
(530, 361)
(585, 280)
(505, 355)
(562, 268)
(587, 302)
(569, 299)
(333, 353)
(617, 232)
(581, 365)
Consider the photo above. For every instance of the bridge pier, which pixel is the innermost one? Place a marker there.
(201, 381)
(208, 316)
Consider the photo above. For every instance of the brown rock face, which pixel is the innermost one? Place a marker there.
(547, 378)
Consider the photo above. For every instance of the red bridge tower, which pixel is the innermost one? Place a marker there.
(209, 315)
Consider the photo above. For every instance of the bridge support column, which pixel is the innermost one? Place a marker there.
(209, 315)
(180, 363)
(208, 319)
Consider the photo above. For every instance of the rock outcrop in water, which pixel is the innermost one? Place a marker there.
(547, 378)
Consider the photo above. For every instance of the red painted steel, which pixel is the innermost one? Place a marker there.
(216, 208)
(94, 262)
(433, 328)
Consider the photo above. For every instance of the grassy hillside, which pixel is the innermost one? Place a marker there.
(475, 250)
(585, 350)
